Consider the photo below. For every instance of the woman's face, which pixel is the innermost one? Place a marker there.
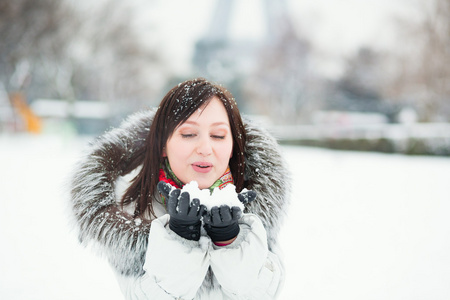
(200, 148)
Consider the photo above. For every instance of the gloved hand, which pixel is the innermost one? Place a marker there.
(184, 215)
(247, 196)
(221, 223)
(165, 188)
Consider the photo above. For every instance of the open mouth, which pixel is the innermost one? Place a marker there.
(202, 166)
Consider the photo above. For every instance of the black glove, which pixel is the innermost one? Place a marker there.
(184, 215)
(221, 223)
(164, 188)
(247, 197)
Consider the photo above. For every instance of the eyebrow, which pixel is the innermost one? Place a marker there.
(213, 124)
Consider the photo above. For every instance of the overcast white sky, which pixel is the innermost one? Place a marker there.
(335, 27)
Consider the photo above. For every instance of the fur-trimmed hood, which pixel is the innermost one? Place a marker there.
(121, 237)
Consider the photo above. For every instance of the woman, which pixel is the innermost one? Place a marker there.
(152, 234)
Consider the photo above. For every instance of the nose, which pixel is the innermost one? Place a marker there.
(204, 146)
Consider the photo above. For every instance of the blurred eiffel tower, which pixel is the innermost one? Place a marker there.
(221, 57)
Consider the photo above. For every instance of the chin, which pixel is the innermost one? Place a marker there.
(204, 184)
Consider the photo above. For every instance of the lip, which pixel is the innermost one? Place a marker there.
(201, 166)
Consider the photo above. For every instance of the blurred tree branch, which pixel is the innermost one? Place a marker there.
(423, 75)
(30, 30)
(284, 86)
(52, 48)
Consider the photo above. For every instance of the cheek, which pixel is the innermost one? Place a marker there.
(227, 151)
(170, 150)
(178, 150)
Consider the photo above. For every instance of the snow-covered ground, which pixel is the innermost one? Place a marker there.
(361, 226)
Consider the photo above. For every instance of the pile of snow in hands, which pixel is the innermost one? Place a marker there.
(225, 196)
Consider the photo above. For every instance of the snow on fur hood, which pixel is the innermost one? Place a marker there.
(121, 237)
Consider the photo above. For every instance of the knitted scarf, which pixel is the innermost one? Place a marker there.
(167, 175)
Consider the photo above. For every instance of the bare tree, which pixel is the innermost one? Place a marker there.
(118, 64)
(284, 87)
(57, 48)
(31, 31)
(423, 75)
(363, 75)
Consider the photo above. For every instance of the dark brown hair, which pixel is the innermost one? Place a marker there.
(175, 108)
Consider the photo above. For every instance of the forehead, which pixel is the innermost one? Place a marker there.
(213, 111)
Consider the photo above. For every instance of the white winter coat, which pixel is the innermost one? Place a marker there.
(151, 261)
(176, 268)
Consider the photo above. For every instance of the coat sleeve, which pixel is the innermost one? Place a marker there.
(246, 267)
(174, 267)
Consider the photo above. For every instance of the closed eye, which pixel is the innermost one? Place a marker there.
(218, 137)
(186, 136)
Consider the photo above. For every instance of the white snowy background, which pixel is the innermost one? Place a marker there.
(360, 226)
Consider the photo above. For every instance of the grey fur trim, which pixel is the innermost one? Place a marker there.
(269, 176)
(121, 237)
(114, 233)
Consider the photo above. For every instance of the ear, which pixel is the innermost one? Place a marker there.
(164, 154)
